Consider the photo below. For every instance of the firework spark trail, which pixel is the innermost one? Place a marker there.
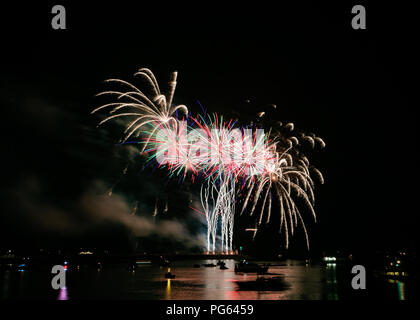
(219, 201)
(209, 204)
(226, 206)
(265, 164)
(261, 163)
(290, 178)
(145, 109)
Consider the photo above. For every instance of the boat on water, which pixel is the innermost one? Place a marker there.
(250, 267)
(264, 284)
(209, 265)
(169, 275)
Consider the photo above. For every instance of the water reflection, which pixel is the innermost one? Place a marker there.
(62, 294)
(401, 292)
(168, 289)
(400, 288)
(303, 281)
(331, 280)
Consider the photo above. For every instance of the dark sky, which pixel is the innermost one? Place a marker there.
(344, 85)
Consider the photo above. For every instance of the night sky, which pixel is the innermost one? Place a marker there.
(344, 85)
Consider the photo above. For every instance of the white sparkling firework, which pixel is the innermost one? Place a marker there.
(142, 108)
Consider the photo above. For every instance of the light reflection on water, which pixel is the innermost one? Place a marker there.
(62, 294)
(400, 287)
(304, 282)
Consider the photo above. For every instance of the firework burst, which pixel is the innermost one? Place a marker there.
(260, 165)
(143, 109)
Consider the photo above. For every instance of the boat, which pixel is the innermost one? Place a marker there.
(264, 284)
(209, 265)
(249, 267)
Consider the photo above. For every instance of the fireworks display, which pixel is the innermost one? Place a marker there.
(140, 107)
(237, 166)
